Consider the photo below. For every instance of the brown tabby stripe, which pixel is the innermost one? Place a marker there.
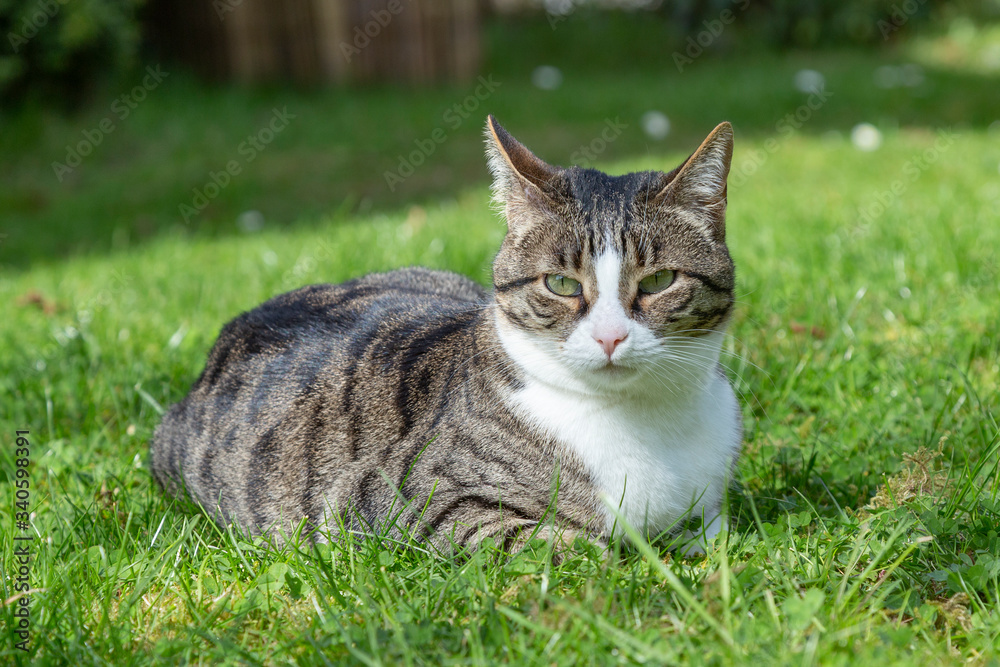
(514, 284)
(710, 283)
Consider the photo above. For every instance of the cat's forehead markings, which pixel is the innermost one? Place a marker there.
(608, 271)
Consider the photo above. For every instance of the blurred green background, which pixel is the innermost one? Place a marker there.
(560, 70)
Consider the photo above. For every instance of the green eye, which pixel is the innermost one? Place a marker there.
(657, 282)
(562, 285)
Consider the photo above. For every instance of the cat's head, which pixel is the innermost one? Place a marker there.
(603, 281)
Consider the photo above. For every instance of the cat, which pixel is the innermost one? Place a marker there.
(583, 390)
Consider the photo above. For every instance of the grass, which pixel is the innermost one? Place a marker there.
(865, 349)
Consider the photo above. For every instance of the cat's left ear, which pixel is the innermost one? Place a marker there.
(701, 180)
(519, 178)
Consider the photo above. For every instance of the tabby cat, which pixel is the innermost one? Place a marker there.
(585, 385)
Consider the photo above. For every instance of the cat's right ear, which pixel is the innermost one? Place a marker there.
(519, 177)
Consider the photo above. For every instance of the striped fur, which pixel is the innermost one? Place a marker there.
(416, 399)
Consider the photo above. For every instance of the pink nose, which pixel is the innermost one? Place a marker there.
(609, 340)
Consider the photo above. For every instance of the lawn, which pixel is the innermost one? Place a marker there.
(867, 501)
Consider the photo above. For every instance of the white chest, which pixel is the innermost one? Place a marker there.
(658, 462)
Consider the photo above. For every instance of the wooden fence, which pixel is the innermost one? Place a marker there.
(316, 41)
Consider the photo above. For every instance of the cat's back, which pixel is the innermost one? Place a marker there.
(326, 319)
(322, 310)
(314, 346)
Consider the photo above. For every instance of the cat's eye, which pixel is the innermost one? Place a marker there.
(656, 282)
(562, 285)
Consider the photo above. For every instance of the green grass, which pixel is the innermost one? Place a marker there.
(867, 503)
